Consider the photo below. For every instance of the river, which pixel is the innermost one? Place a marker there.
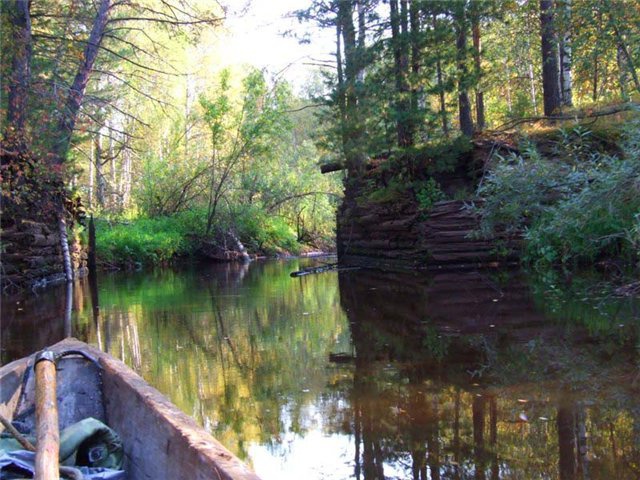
(371, 375)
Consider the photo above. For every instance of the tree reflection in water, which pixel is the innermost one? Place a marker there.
(372, 375)
(514, 394)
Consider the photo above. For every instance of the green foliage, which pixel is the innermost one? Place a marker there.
(147, 241)
(428, 192)
(598, 220)
(262, 232)
(578, 211)
(576, 143)
(438, 156)
(393, 191)
(520, 188)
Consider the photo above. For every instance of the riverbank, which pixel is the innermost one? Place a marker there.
(563, 196)
(144, 242)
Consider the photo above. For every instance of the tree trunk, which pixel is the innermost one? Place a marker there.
(352, 129)
(623, 76)
(401, 68)
(622, 46)
(75, 97)
(64, 247)
(126, 179)
(532, 83)
(550, 80)
(362, 30)
(594, 95)
(113, 201)
(92, 160)
(414, 22)
(507, 74)
(566, 85)
(464, 105)
(477, 52)
(20, 77)
(342, 107)
(443, 104)
(100, 190)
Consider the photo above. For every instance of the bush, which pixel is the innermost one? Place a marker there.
(396, 189)
(578, 211)
(147, 240)
(428, 192)
(520, 188)
(599, 220)
(263, 232)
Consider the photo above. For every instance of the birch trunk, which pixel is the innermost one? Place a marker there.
(113, 184)
(566, 85)
(64, 246)
(100, 190)
(92, 160)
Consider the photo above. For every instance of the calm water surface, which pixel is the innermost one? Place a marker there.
(370, 375)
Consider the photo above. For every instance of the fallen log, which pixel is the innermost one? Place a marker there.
(321, 269)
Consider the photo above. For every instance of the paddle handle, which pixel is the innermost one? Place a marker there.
(47, 433)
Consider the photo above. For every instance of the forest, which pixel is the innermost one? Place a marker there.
(124, 110)
(474, 165)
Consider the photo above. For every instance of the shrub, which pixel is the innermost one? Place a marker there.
(521, 188)
(599, 220)
(147, 240)
(428, 193)
(395, 190)
(578, 211)
(263, 232)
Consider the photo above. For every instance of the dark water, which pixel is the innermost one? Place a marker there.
(370, 375)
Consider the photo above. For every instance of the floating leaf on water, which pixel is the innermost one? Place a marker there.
(523, 417)
(544, 419)
(523, 400)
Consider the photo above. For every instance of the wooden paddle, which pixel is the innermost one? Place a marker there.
(47, 433)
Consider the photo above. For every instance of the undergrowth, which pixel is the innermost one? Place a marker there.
(158, 240)
(578, 207)
(147, 241)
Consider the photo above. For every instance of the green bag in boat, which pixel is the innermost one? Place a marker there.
(91, 443)
(88, 442)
